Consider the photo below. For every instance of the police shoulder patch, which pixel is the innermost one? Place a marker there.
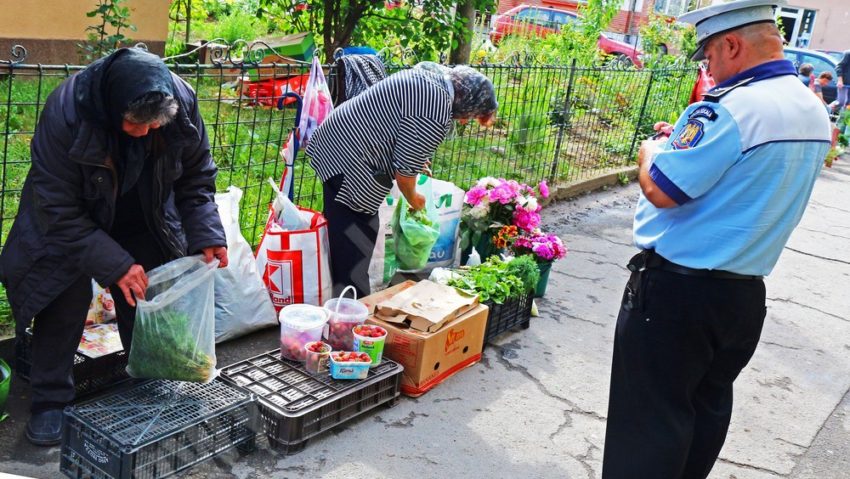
(704, 111)
(690, 135)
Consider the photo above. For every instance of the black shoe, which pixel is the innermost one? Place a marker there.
(45, 428)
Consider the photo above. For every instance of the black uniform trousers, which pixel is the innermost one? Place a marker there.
(680, 342)
(57, 328)
(352, 236)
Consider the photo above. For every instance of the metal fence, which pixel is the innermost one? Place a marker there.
(560, 123)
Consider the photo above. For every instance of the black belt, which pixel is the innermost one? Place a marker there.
(649, 259)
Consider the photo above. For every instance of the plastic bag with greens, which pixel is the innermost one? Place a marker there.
(414, 233)
(174, 332)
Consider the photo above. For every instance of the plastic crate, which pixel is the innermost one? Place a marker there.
(515, 312)
(91, 375)
(295, 406)
(156, 429)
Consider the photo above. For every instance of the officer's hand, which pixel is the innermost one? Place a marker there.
(418, 202)
(219, 252)
(134, 282)
(663, 127)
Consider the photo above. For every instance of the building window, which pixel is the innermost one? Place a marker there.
(671, 8)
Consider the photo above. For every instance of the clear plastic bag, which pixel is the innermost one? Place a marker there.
(174, 332)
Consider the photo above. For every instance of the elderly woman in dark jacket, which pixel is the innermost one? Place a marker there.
(121, 181)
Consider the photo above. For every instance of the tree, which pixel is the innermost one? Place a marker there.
(427, 27)
(462, 43)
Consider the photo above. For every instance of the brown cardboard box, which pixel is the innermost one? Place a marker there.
(425, 306)
(430, 358)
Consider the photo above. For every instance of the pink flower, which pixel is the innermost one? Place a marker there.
(544, 189)
(503, 194)
(475, 195)
(526, 220)
(544, 250)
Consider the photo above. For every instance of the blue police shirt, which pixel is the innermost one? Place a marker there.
(741, 165)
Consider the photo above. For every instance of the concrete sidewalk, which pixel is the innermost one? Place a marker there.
(535, 406)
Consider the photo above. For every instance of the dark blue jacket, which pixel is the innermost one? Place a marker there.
(68, 200)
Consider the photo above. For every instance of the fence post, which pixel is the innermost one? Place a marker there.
(554, 172)
(640, 115)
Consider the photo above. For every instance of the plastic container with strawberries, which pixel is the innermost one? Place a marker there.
(318, 357)
(345, 314)
(350, 365)
(300, 324)
(370, 339)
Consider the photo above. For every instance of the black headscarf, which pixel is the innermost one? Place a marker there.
(107, 87)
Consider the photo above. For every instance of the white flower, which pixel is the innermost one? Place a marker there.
(480, 211)
(488, 181)
(522, 200)
(531, 205)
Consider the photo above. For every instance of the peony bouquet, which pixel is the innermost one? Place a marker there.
(544, 247)
(496, 202)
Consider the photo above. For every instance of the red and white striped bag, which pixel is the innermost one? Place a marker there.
(295, 265)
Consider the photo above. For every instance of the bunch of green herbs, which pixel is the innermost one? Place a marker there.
(497, 280)
(165, 347)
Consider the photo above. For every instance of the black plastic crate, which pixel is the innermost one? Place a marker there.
(513, 313)
(156, 429)
(296, 406)
(91, 375)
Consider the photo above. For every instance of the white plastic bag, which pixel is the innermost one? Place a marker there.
(448, 202)
(174, 331)
(242, 304)
(286, 214)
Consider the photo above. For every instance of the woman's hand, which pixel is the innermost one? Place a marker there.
(134, 282)
(417, 202)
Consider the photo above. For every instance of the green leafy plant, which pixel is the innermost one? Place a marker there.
(106, 36)
(495, 281)
(165, 347)
(525, 268)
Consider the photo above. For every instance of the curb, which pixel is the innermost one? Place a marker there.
(575, 188)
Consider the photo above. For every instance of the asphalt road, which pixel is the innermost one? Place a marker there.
(535, 405)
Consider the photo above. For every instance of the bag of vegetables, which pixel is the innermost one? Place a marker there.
(414, 233)
(174, 332)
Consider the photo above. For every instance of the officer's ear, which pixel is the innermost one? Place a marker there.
(731, 44)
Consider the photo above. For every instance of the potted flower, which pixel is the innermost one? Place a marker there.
(493, 203)
(545, 248)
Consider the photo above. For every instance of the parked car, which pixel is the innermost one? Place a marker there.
(833, 53)
(821, 62)
(540, 21)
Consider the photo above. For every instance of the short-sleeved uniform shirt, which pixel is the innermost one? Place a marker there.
(741, 165)
(395, 126)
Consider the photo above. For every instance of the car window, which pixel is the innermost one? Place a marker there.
(820, 65)
(534, 16)
(560, 19)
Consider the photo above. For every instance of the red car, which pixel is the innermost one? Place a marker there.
(541, 21)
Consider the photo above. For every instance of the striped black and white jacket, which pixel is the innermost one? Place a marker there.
(393, 127)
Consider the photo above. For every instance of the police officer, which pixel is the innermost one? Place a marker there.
(719, 200)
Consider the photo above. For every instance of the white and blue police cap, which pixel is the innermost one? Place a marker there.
(710, 21)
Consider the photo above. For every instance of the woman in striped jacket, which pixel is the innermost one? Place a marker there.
(388, 132)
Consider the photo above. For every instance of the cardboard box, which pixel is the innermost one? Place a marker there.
(430, 358)
(425, 306)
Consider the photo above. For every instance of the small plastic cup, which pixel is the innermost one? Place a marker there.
(370, 339)
(345, 314)
(317, 362)
(299, 325)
